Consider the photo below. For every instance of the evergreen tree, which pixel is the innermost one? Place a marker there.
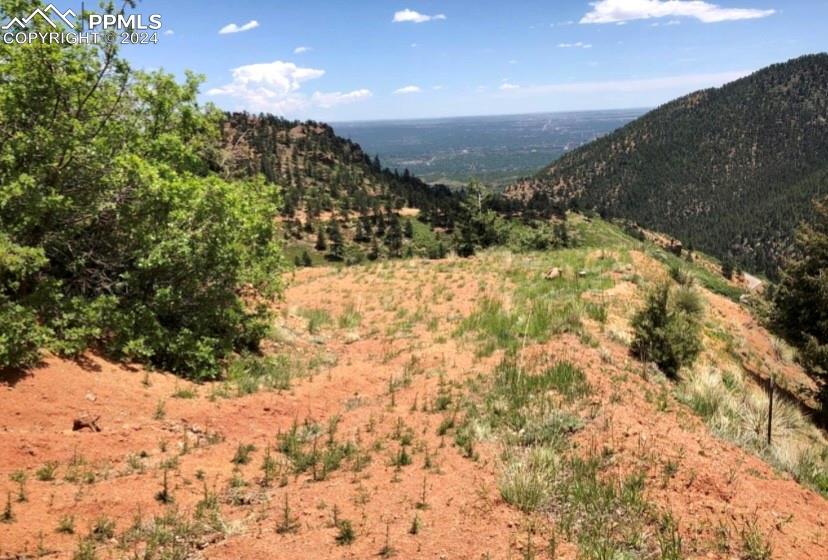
(464, 240)
(667, 329)
(408, 229)
(561, 232)
(379, 224)
(306, 259)
(801, 300)
(337, 246)
(321, 241)
(441, 250)
(394, 236)
(727, 268)
(362, 233)
(374, 253)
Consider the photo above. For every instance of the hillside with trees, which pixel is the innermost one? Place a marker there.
(341, 205)
(338, 202)
(728, 170)
(322, 172)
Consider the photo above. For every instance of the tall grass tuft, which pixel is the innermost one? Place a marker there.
(738, 411)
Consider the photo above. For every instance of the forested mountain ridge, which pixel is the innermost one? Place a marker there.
(319, 171)
(729, 170)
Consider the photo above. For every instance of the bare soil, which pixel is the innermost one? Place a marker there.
(716, 487)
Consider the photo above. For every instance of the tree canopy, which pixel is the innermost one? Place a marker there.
(119, 229)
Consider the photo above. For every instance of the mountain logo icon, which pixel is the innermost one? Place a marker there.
(46, 14)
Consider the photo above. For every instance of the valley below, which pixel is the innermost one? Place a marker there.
(493, 149)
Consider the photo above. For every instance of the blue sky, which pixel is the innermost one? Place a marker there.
(333, 60)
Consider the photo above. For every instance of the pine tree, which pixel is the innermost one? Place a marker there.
(362, 233)
(727, 268)
(321, 241)
(394, 237)
(561, 232)
(337, 246)
(667, 329)
(374, 253)
(464, 240)
(408, 229)
(379, 224)
(801, 301)
(306, 259)
(441, 250)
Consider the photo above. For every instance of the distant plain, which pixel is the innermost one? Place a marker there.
(492, 149)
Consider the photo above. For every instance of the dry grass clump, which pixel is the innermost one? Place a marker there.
(737, 410)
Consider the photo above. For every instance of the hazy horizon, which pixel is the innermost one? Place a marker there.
(491, 148)
(372, 60)
(485, 116)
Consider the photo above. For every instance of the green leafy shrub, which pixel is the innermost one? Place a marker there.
(117, 228)
(667, 330)
(20, 334)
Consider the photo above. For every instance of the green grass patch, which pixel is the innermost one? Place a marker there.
(605, 513)
(350, 318)
(317, 319)
(710, 280)
(250, 373)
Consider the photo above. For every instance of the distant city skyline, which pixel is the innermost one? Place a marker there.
(375, 60)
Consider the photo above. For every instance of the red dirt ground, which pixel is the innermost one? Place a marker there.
(717, 484)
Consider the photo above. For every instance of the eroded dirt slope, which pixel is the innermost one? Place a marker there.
(376, 367)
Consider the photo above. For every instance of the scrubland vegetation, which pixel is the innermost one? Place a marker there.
(528, 406)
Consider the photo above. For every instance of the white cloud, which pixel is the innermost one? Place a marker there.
(233, 28)
(328, 100)
(513, 61)
(414, 45)
(411, 16)
(274, 87)
(505, 86)
(277, 76)
(619, 11)
(300, 50)
(689, 82)
(438, 87)
(169, 32)
(578, 45)
(407, 89)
